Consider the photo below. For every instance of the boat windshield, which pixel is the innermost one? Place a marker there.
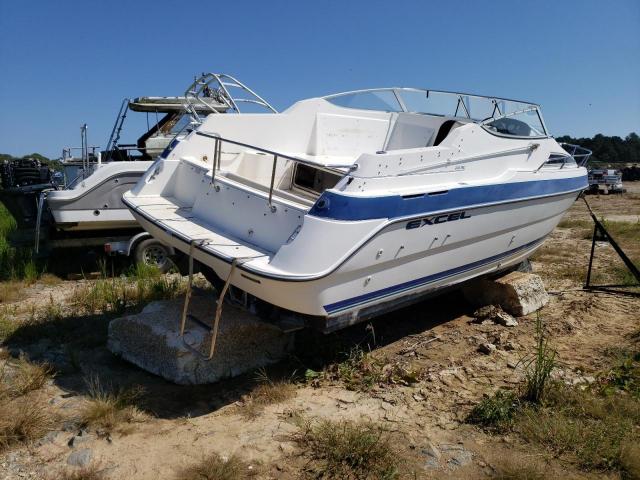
(498, 115)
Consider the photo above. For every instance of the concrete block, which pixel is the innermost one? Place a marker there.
(518, 293)
(151, 340)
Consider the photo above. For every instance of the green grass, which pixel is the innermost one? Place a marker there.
(538, 365)
(349, 450)
(363, 371)
(140, 286)
(597, 428)
(15, 263)
(496, 412)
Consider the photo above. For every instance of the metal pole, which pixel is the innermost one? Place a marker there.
(593, 246)
(216, 322)
(187, 296)
(273, 177)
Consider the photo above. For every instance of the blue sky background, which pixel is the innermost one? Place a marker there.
(63, 63)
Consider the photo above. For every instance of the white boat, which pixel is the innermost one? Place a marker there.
(93, 197)
(349, 205)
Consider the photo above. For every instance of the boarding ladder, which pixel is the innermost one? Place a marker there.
(114, 138)
(219, 302)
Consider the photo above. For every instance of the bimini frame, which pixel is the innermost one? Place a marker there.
(216, 85)
(462, 104)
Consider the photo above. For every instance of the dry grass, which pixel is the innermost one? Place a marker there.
(8, 325)
(11, 291)
(214, 467)
(29, 377)
(575, 223)
(511, 468)
(348, 450)
(49, 279)
(92, 472)
(17, 378)
(115, 295)
(109, 410)
(24, 415)
(630, 460)
(23, 420)
(267, 392)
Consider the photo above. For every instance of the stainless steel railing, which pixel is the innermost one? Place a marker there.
(580, 154)
(217, 154)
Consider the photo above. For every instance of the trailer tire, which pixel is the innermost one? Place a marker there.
(212, 277)
(153, 252)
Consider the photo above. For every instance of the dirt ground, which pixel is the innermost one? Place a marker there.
(437, 339)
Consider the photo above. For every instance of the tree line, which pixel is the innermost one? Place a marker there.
(609, 150)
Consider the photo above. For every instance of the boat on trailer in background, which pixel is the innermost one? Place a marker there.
(343, 207)
(92, 199)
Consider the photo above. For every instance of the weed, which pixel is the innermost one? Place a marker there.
(7, 324)
(115, 295)
(596, 443)
(538, 365)
(630, 459)
(624, 375)
(107, 409)
(267, 392)
(92, 472)
(49, 279)
(30, 271)
(22, 420)
(519, 469)
(29, 377)
(571, 271)
(362, 371)
(496, 411)
(349, 450)
(11, 291)
(575, 223)
(214, 467)
(623, 276)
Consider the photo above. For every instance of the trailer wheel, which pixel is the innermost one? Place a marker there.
(212, 277)
(152, 252)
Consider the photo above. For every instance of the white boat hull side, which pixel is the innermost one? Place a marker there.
(76, 220)
(411, 260)
(96, 202)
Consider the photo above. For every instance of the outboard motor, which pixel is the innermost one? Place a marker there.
(22, 180)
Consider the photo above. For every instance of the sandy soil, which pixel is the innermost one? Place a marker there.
(189, 422)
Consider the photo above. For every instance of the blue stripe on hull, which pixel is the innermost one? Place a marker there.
(337, 206)
(385, 292)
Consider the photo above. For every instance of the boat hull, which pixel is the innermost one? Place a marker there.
(96, 203)
(400, 262)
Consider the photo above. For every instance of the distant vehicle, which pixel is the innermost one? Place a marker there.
(602, 180)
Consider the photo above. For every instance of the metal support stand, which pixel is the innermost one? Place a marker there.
(599, 231)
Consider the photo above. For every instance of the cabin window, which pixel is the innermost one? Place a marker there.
(313, 179)
(525, 124)
(382, 100)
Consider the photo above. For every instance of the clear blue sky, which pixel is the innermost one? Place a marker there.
(68, 62)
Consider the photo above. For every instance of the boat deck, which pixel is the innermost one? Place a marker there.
(170, 215)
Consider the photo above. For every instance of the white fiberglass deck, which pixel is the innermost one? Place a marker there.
(170, 214)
